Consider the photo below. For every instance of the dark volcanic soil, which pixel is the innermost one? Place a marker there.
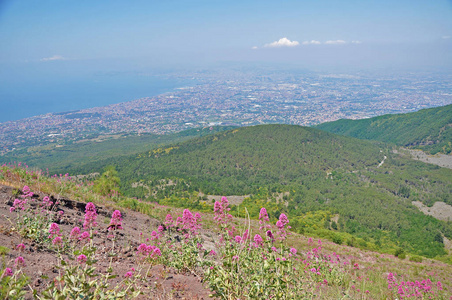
(162, 283)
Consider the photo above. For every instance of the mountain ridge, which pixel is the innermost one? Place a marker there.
(427, 129)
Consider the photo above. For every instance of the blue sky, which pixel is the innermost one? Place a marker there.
(159, 32)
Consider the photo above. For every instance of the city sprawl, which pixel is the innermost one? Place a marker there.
(242, 99)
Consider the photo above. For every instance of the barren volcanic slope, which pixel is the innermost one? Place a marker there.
(41, 262)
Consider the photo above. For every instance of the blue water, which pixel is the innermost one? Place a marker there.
(35, 95)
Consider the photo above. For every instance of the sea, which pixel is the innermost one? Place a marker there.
(45, 95)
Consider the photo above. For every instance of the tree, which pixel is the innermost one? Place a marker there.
(108, 182)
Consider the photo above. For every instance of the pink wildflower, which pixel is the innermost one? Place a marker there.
(238, 239)
(116, 221)
(169, 221)
(154, 235)
(142, 250)
(54, 230)
(284, 220)
(270, 235)
(90, 216)
(57, 241)
(81, 259)
(258, 241)
(245, 236)
(20, 247)
(19, 262)
(7, 272)
(198, 217)
(263, 219)
(46, 202)
(293, 251)
(128, 274)
(84, 236)
(281, 223)
(190, 222)
(75, 232)
(221, 210)
(157, 252)
(26, 192)
(19, 204)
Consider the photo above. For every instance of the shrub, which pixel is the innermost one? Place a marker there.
(400, 253)
(416, 258)
(337, 239)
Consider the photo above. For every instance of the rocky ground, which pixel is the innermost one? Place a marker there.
(161, 283)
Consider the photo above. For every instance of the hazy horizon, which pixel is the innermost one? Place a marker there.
(53, 44)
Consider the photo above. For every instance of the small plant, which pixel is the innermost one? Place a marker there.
(12, 284)
(4, 250)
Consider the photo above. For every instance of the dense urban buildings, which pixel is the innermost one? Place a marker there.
(242, 99)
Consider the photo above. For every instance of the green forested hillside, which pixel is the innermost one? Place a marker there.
(427, 129)
(62, 158)
(307, 173)
(246, 159)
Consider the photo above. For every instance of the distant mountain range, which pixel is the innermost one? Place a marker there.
(428, 129)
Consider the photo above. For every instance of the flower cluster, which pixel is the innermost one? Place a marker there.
(258, 241)
(20, 247)
(263, 219)
(90, 216)
(151, 251)
(221, 210)
(75, 232)
(190, 222)
(169, 221)
(26, 193)
(281, 224)
(416, 289)
(116, 221)
(46, 202)
(18, 204)
(19, 262)
(55, 234)
(7, 272)
(81, 259)
(54, 230)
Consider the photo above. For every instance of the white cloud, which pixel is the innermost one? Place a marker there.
(446, 37)
(336, 42)
(284, 42)
(254, 47)
(55, 57)
(356, 42)
(312, 42)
